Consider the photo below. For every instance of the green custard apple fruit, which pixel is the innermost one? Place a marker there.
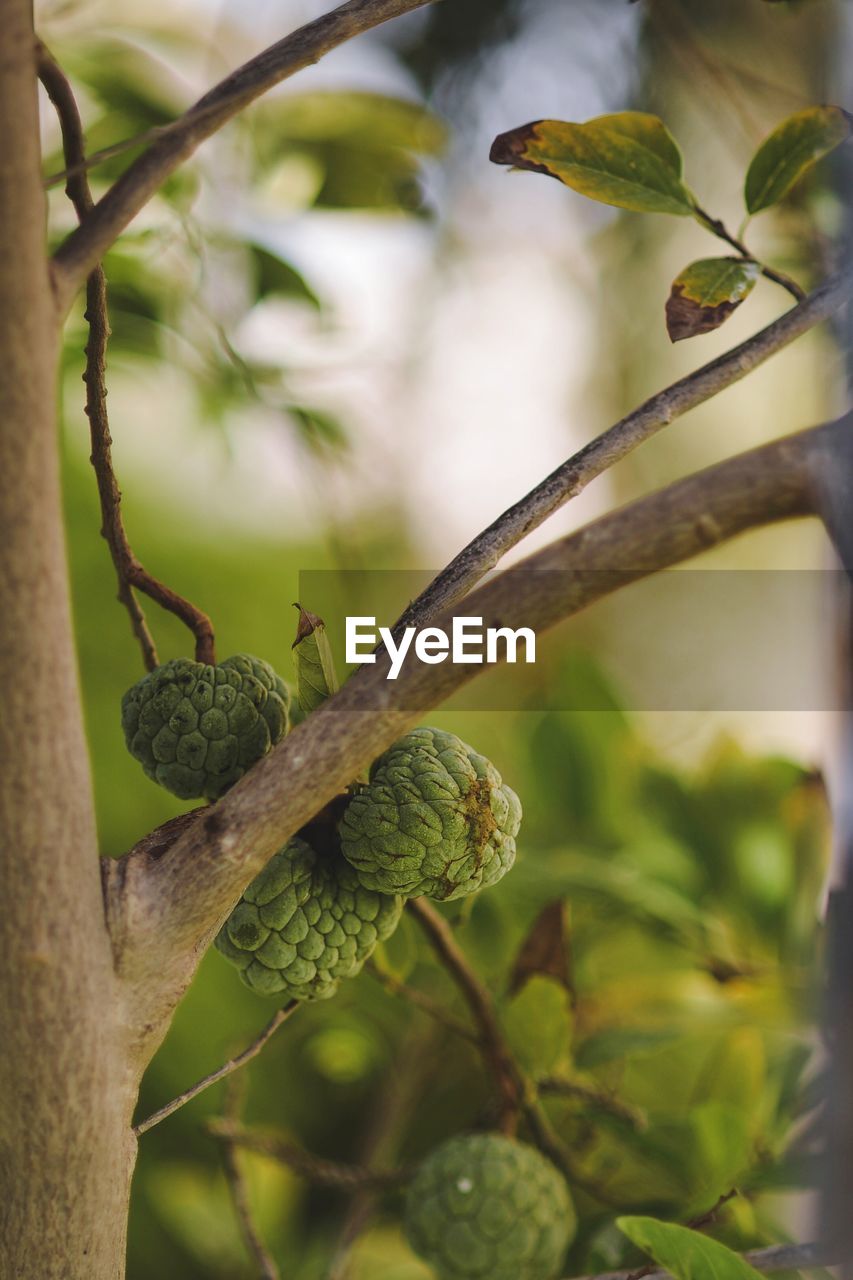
(488, 1206)
(305, 923)
(196, 728)
(434, 819)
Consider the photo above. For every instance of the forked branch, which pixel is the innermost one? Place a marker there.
(178, 900)
(131, 574)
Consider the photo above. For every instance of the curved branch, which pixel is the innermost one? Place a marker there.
(85, 247)
(167, 909)
(572, 477)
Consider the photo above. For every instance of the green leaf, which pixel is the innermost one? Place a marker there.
(315, 668)
(538, 1025)
(792, 148)
(685, 1253)
(706, 293)
(629, 160)
(274, 276)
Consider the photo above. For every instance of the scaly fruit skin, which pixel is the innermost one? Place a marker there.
(435, 819)
(196, 728)
(304, 924)
(488, 1206)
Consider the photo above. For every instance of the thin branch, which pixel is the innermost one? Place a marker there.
(778, 1257)
(516, 1091)
(420, 1000)
(257, 1250)
(85, 247)
(174, 904)
(314, 1169)
(719, 229)
(128, 569)
(509, 1080)
(571, 477)
(233, 1064)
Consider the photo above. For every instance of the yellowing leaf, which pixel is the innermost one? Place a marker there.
(706, 293)
(316, 679)
(629, 159)
(792, 148)
(686, 1254)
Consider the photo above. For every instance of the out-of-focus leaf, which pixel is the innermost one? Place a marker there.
(706, 293)
(792, 148)
(274, 276)
(366, 146)
(316, 679)
(686, 1254)
(370, 118)
(538, 1025)
(317, 428)
(629, 159)
(545, 950)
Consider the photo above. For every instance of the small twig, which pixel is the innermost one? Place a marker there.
(421, 1000)
(719, 229)
(597, 1098)
(257, 1250)
(778, 1257)
(130, 572)
(516, 1091)
(496, 1052)
(87, 163)
(233, 1064)
(570, 479)
(323, 1173)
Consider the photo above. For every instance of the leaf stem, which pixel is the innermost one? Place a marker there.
(719, 229)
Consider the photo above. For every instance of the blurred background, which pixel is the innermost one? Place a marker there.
(343, 340)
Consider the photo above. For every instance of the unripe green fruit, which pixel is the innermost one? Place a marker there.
(488, 1206)
(196, 728)
(304, 924)
(435, 819)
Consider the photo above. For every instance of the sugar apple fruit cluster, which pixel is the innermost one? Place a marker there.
(197, 728)
(488, 1206)
(435, 819)
(305, 923)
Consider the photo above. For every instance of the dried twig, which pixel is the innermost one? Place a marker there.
(84, 248)
(227, 1068)
(572, 476)
(129, 570)
(267, 1268)
(323, 1173)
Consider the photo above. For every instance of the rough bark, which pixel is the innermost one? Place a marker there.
(65, 1096)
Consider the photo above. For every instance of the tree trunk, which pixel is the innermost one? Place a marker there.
(66, 1089)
